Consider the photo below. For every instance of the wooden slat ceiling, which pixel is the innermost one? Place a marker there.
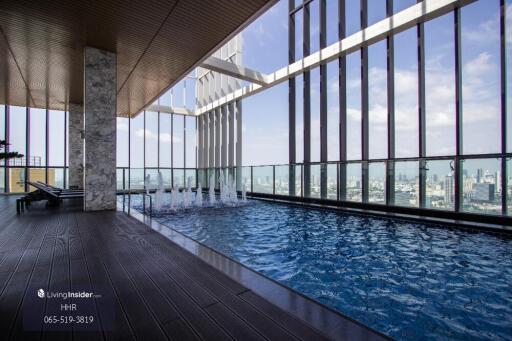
(157, 43)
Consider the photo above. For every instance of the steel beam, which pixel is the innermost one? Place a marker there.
(410, 17)
(234, 70)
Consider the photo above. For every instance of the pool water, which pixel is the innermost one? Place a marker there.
(404, 279)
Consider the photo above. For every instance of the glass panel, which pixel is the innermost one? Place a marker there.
(179, 177)
(481, 77)
(263, 179)
(509, 186)
(177, 139)
(354, 183)
(315, 115)
(333, 112)
(35, 175)
(298, 16)
(332, 35)
(354, 106)
(481, 184)
(332, 183)
(315, 181)
(265, 143)
(352, 17)
(166, 177)
(314, 26)
(299, 118)
(190, 152)
(298, 180)
(153, 178)
(137, 143)
(16, 180)
(190, 177)
(56, 131)
(37, 137)
(440, 86)
(165, 140)
(2, 180)
(55, 177)
(377, 182)
(376, 11)
(2, 127)
(120, 178)
(400, 5)
(122, 142)
(440, 184)
(406, 94)
(17, 136)
(377, 98)
(136, 178)
(282, 180)
(151, 153)
(406, 183)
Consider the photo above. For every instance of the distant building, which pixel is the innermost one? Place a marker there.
(449, 189)
(479, 175)
(483, 192)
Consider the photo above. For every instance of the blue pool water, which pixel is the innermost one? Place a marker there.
(404, 279)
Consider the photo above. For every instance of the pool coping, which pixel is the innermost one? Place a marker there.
(429, 221)
(330, 322)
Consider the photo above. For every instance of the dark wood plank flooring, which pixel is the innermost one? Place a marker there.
(151, 289)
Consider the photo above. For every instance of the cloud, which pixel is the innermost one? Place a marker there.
(165, 138)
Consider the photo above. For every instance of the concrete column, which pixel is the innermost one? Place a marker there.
(224, 151)
(100, 129)
(76, 146)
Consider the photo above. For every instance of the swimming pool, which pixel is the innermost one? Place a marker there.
(405, 279)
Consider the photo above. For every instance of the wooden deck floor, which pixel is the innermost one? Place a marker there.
(151, 288)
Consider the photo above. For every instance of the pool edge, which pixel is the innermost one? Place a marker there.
(330, 322)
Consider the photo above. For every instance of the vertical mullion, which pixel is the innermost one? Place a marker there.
(307, 102)
(27, 148)
(421, 112)
(184, 148)
(46, 144)
(458, 110)
(172, 151)
(390, 47)
(144, 148)
(65, 146)
(323, 103)
(158, 144)
(504, 104)
(364, 106)
(343, 105)
(7, 149)
(292, 158)
(129, 152)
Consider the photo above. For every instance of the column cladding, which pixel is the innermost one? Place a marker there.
(100, 129)
(76, 146)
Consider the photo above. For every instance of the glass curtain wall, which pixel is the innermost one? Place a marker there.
(41, 136)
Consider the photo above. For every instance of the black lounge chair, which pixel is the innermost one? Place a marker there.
(52, 194)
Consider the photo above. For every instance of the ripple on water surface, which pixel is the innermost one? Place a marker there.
(404, 279)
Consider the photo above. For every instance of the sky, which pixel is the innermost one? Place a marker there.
(265, 115)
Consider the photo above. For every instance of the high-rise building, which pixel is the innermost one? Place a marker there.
(449, 189)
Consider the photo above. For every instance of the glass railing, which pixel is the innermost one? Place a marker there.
(428, 183)
(134, 178)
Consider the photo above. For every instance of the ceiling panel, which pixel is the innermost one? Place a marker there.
(157, 43)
